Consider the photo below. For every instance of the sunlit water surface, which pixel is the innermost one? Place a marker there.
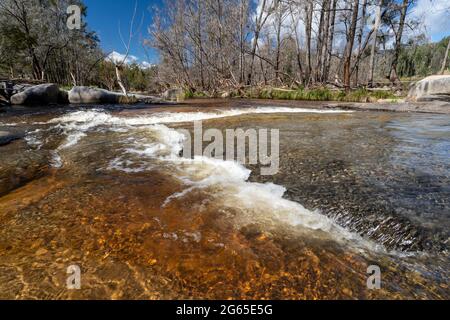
(107, 190)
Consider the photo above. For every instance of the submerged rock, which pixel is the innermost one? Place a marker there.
(40, 94)
(3, 101)
(7, 137)
(430, 89)
(92, 95)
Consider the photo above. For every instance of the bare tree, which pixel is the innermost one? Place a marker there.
(120, 64)
(260, 21)
(349, 47)
(393, 77)
(376, 27)
(329, 47)
(295, 13)
(309, 8)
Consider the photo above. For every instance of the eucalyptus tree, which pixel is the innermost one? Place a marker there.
(397, 22)
(40, 44)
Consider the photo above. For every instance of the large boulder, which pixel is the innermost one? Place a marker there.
(41, 94)
(176, 94)
(92, 95)
(430, 89)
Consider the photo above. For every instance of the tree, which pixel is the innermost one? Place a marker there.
(376, 27)
(393, 77)
(349, 47)
(260, 21)
(444, 61)
(35, 34)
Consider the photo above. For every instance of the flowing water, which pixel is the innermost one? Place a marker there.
(106, 189)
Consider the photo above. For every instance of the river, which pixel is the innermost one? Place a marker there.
(106, 188)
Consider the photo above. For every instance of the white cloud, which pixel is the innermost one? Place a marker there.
(435, 16)
(117, 57)
(146, 65)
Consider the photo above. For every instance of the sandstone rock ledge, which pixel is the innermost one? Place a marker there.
(433, 88)
(440, 107)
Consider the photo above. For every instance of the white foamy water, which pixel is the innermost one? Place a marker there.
(76, 124)
(228, 179)
(228, 184)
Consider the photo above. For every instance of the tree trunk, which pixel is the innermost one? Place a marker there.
(444, 62)
(74, 80)
(252, 61)
(119, 80)
(308, 31)
(241, 43)
(349, 46)
(278, 51)
(374, 42)
(297, 45)
(325, 43)
(260, 21)
(320, 40)
(330, 41)
(360, 36)
(393, 77)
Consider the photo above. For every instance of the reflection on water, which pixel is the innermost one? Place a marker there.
(107, 190)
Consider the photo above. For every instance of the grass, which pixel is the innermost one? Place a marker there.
(319, 94)
(188, 94)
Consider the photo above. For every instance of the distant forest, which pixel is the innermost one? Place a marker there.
(206, 45)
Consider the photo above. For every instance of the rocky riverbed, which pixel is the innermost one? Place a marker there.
(105, 188)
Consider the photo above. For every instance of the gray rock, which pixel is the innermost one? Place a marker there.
(40, 94)
(63, 97)
(3, 101)
(20, 87)
(6, 90)
(7, 137)
(430, 89)
(173, 94)
(91, 95)
(434, 97)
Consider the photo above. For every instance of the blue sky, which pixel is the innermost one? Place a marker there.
(104, 17)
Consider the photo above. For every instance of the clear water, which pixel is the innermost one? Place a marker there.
(106, 189)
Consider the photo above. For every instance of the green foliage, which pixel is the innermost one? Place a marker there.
(136, 78)
(190, 94)
(421, 58)
(319, 94)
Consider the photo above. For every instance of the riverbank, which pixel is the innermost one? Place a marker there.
(437, 107)
(377, 99)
